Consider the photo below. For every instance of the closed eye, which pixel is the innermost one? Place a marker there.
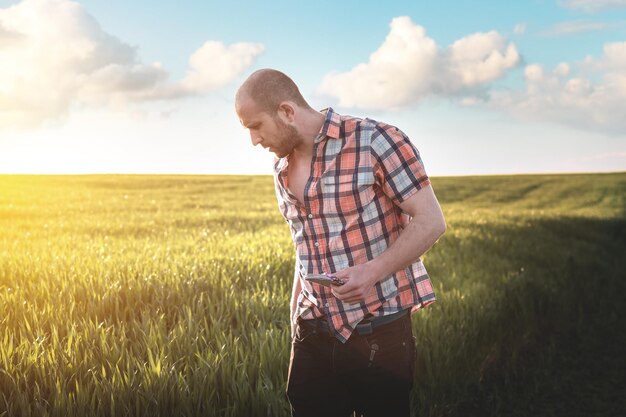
(252, 126)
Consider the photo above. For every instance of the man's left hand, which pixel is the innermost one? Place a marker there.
(358, 281)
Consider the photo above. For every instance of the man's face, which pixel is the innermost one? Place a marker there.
(267, 130)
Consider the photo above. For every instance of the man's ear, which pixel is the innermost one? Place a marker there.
(287, 111)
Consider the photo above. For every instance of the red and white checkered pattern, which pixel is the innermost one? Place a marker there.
(361, 170)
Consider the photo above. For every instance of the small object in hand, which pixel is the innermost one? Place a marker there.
(325, 279)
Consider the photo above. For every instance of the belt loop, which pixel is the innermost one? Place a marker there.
(365, 328)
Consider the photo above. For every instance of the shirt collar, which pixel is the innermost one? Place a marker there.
(331, 127)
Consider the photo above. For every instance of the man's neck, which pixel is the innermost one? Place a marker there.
(313, 122)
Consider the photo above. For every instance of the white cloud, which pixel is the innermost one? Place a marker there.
(591, 6)
(614, 65)
(8, 37)
(214, 64)
(55, 55)
(562, 70)
(398, 72)
(520, 28)
(614, 57)
(578, 26)
(591, 99)
(481, 58)
(409, 66)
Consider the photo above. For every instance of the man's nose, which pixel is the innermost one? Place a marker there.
(255, 138)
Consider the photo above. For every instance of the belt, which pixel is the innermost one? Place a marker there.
(366, 326)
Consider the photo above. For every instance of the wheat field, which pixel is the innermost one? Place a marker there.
(169, 296)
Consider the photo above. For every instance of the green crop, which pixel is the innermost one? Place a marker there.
(169, 295)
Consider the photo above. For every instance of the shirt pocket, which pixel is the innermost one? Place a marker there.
(345, 195)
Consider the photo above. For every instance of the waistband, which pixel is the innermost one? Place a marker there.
(364, 327)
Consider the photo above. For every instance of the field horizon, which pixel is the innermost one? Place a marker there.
(168, 295)
(192, 174)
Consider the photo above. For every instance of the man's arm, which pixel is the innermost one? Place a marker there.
(294, 300)
(426, 226)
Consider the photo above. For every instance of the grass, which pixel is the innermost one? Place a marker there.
(169, 296)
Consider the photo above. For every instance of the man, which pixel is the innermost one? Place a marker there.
(361, 208)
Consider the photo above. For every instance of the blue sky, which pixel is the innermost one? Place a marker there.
(481, 87)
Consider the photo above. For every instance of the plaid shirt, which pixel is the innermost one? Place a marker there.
(361, 170)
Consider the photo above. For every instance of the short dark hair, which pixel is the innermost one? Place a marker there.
(269, 87)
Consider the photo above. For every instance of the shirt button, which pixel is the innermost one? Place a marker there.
(327, 305)
(317, 244)
(310, 216)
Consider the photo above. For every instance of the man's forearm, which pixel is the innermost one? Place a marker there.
(419, 236)
(426, 225)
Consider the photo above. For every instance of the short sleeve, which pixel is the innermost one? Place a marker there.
(396, 162)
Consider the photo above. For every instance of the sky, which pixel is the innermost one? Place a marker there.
(480, 87)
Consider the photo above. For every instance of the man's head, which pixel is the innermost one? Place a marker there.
(269, 105)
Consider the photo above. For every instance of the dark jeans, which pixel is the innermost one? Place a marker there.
(329, 378)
